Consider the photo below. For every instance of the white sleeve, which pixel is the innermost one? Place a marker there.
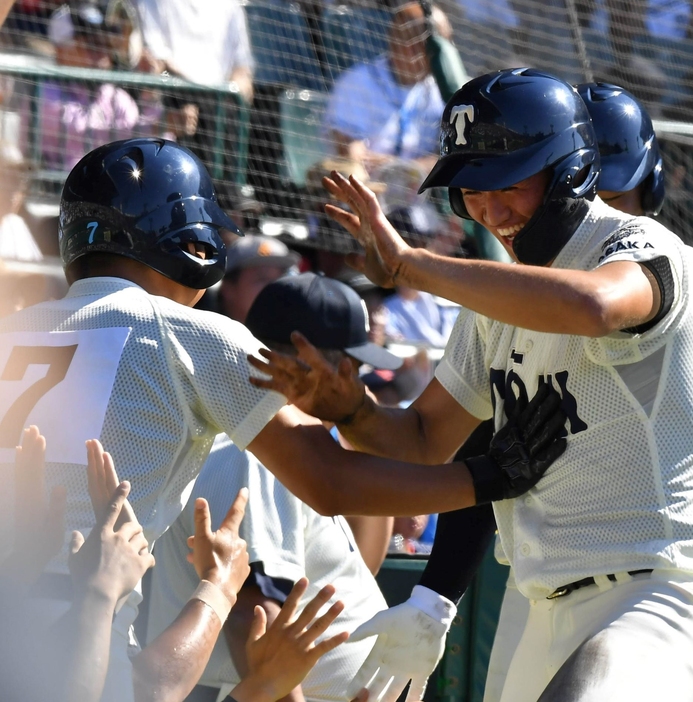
(463, 371)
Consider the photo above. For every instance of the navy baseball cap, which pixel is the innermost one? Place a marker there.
(328, 313)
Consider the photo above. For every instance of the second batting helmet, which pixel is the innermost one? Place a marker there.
(504, 127)
(627, 143)
(145, 199)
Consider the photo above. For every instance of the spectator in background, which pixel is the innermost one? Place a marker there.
(252, 263)
(73, 117)
(205, 42)
(16, 240)
(415, 316)
(390, 108)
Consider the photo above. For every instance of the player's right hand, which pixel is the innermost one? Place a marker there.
(411, 641)
(220, 556)
(310, 382)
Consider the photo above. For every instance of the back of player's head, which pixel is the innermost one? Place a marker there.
(147, 200)
(506, 126)
(627, 143)
(327, 312)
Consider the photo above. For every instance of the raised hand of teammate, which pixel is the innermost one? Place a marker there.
(411, 641)
(113, 558)
(310, 382)
(368, 225)
(38, 526)
(522, 450)
(221, 556)
(280, 657)
(102, 481)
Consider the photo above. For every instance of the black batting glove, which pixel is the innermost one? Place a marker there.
(522, 450)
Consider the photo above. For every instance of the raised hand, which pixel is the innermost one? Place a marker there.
(411, 640)
(280, 657)
(39, 527)
(310, 382)
(102, 481)
(113, 558)
(220, 556)
(368, 225)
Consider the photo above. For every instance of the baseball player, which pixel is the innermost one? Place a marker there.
(123, 358)
(631, 179)
(597, 308)
(287, 539)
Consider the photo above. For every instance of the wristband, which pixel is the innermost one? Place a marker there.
(439, 608)
(212, 596)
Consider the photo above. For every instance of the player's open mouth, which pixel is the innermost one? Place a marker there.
(509, 233)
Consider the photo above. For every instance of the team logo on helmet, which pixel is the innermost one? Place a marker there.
(462, 116)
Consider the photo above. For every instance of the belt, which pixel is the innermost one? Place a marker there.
(570, 587)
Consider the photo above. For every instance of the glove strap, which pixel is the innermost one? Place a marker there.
(437, 607)
(487, 478)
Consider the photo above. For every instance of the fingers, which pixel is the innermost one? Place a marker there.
(203, 519)
(416, 689)
(29, 476)
(380, 684)
(115, 506)
(76, 542)
(545, 403)
(329, 644)
(290, 605)
(311, 610)
(319, 626)
(368, 669)
(234, 516)
(552, 428)
(258, 626)
(307, 353)
(399, 682)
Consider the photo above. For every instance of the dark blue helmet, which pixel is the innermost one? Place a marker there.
(145, 199)
(627, 143)
(506, 126)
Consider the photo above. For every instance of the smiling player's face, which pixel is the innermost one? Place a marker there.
(505, 212)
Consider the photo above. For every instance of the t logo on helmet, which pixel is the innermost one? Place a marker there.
(457, 117)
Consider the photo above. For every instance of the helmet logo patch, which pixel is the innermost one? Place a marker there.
(457, 117)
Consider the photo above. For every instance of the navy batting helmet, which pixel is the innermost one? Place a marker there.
(145, 199)
(627, 143)
(506, 126)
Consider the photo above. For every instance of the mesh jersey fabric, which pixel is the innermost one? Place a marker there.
(619, 499)
(290, 540)
(181, 379)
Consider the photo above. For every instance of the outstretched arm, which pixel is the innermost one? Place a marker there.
(172, 664)
(589, 303)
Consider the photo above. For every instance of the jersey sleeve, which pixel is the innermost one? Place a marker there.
(646, 242)
(462, 370)
(214, 351)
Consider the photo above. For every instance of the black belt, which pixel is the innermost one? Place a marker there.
(570, 587)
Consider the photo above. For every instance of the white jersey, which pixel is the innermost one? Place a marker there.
(153, 380)
(621, 496)
(290, 540)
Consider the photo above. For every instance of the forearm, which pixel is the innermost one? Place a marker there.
(172, 664)
(387, 431)
(82, 642)
(334, 481)
(552, 300)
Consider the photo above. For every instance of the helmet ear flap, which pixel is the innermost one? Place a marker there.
(457, 203)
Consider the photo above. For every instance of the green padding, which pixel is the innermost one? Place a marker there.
(461, 675)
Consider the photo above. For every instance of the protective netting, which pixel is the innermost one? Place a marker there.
(74, 76)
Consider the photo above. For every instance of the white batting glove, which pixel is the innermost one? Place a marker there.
(411, 641)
